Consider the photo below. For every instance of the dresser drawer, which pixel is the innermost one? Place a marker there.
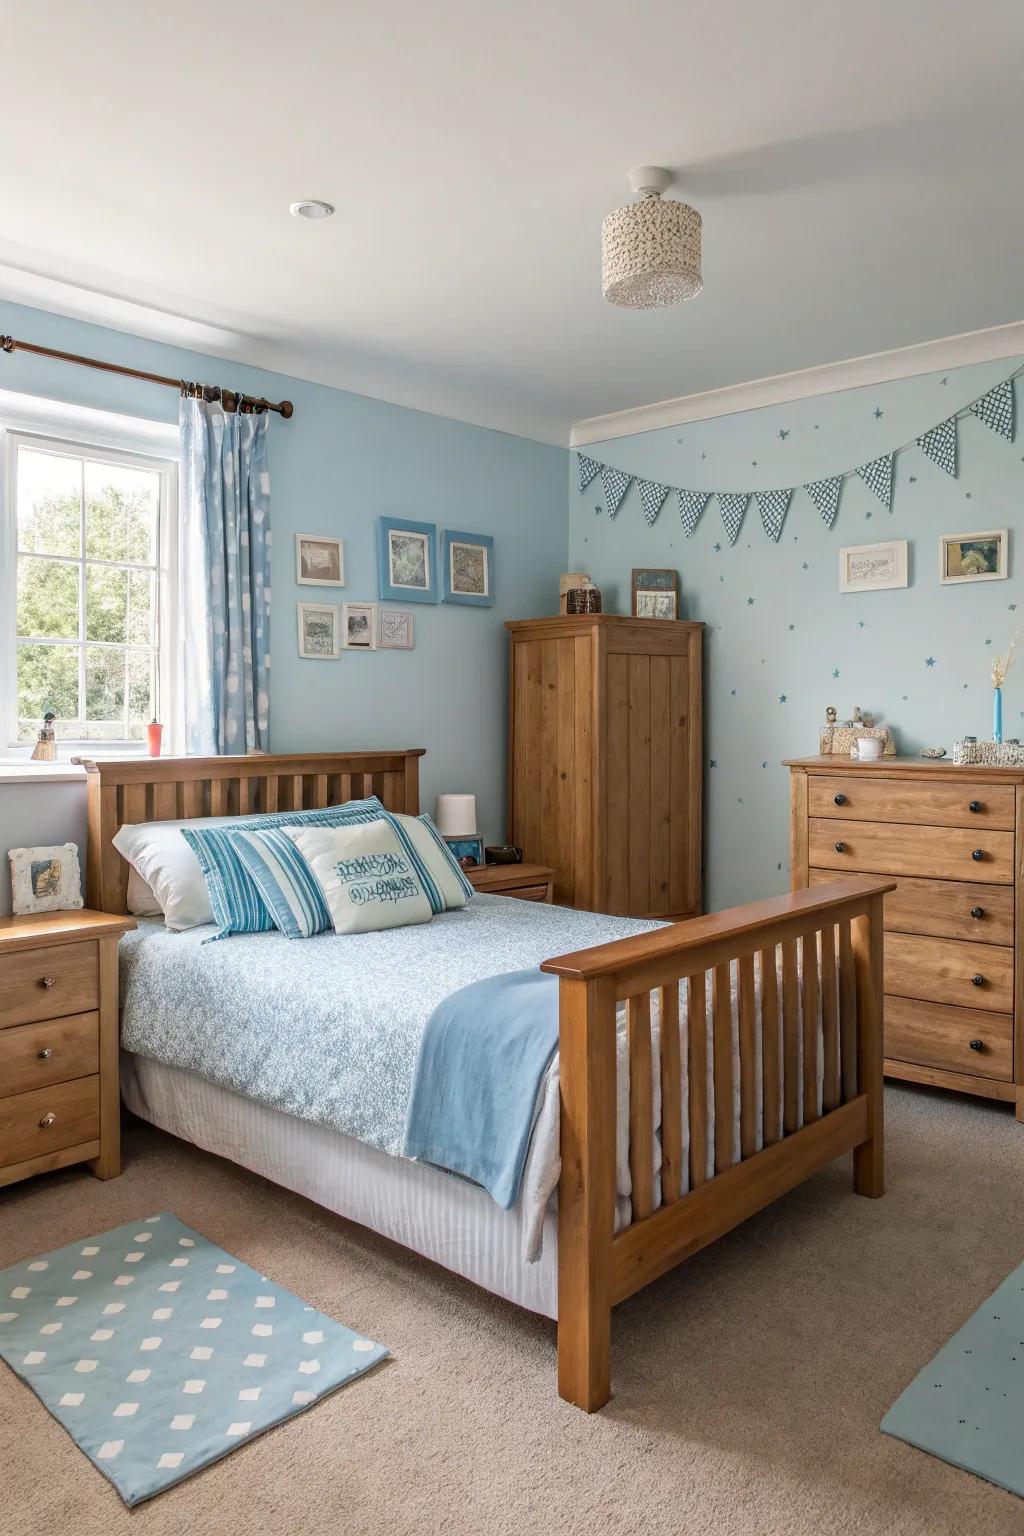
(876, 847)
(944, 908)
(935, 1035)
(35, 1055)
(943, 971)
(48, 1119)
(48, 982)
(867, 797)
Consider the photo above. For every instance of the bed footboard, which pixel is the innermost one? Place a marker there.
(809, 1079)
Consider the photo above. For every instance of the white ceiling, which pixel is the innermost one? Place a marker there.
(858, 167)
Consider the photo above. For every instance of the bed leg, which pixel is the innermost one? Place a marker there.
(586, 1191)
(869, 1157)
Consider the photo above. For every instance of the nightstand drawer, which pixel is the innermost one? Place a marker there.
(48, 1119)
(949, 971)
(48, 982)
(951, 1039)
(881, 848)
(527, 892)
(55, 1051)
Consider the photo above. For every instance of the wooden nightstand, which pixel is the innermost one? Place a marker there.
(530, 882)
(60, 1098)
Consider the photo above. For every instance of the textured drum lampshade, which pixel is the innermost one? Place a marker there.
(650, 250)
(456, 815)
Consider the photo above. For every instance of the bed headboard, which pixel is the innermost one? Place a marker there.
(173, 788)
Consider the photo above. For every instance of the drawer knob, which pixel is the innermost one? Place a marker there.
(978, 854)
(45, 1053)
(840, 847)
(977, 981)
(977, 911)
(47, 981)
(47, 1121)
(975, 806)
(839, 800)
(977, 1045)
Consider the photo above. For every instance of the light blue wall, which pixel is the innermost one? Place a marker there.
(342, 461)
(777, 626)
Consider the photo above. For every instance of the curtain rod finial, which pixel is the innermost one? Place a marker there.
(287, 410)
(7, 343)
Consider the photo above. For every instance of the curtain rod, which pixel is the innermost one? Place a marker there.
(230, 400)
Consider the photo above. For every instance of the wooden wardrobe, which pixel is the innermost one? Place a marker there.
(605, 759)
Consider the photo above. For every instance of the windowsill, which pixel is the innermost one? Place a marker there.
(18, 767)
(40, 773)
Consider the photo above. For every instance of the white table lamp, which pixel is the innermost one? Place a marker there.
(456, 815)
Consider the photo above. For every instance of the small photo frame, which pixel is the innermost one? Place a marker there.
(973, 556)
(655, 593)
(873, 567)
(318, 631)
(467, 569)
(359, 626)
(467, 848)
(46, 879)
(395, 629)
(319, 560)
(406, 561)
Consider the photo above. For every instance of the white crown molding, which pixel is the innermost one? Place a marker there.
(877, 368)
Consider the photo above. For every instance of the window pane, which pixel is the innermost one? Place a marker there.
(106, 603)
(47, 598)
(104, 687)
(141, 705)
(47, 679)
(120, 512)
(49, 503)
(140, 608)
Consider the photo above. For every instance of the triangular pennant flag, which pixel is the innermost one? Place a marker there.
(588, 469)
(825, 495)
(878, 476)
(996, 409)
(940, 445)
(732, 505)
(616, 483)
(774, 506)
(691, 505)
(652, 495)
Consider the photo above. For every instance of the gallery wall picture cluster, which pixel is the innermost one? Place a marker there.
(995, 408)
(407, 570)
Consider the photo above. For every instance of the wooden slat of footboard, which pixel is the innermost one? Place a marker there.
(697, 1073)
(829, 1021)
(809, 1008)
(790, 1038)
(721, 1010)
(748, 1047)
(771, 1081)
(847, 1014)
(641, 1105)
(671, 1096)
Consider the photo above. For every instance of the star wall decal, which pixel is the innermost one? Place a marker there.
(860, 623)
(835, 672)
(792, 626)
(879, 413)
(782, 698)
(783, 433)
(718, 549)
(764, 764)
(750, 602)
(712, 763)
(929, 661)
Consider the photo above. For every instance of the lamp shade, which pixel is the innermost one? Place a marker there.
(455, 815)
(650, 253)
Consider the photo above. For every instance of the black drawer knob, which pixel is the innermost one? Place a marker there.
(977, 1045)
(977, 981)
(977, 911)
(840, 800)
(840, 847)
(975, 806)
(978, 854)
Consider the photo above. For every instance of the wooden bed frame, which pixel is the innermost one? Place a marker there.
(830, 940)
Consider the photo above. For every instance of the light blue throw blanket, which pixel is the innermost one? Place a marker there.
(482, 1059)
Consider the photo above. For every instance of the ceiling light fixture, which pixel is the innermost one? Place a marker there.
(650, 250)
(311, 208)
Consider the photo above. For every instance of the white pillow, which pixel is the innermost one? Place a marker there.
(141, 900)
(367, 877)
(157, 851)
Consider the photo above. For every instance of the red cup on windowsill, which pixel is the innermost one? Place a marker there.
(154, 735)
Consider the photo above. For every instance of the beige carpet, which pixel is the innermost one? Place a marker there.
(749, 1383)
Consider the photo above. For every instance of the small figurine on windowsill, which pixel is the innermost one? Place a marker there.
(45, 749)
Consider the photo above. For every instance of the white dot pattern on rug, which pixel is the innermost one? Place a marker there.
(155, 1445)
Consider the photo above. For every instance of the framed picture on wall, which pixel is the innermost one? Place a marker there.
(395, 629)
(319, 560)
(318, 631)
(359, 626)
(405, 561)
(973, 556)
(467, 561)
(655, 593)
(873, 567)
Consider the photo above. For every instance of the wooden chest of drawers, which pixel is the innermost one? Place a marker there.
(954, 840)
(59, 1091)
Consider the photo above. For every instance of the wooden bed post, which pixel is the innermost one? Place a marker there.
(586, 1193)
(869, 1157)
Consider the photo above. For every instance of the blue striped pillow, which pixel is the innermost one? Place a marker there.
(238, 906)
(285, 881)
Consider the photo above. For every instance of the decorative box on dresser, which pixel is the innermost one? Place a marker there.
(953, 838)
(605, 759)
(60, 1099)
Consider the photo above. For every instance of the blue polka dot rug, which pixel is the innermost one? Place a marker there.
(967, 1405)
(160, 1353)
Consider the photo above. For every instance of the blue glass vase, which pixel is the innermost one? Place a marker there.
(997, 714)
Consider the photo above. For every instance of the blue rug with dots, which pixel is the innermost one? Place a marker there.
(159, 1353)
(967, 1405)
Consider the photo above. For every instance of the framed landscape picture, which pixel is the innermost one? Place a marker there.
(467, 568)
(319, 560)
(655, 593)
(405, 561)
(359, 626)
(973, 556)
(873, 567)
(318, 631)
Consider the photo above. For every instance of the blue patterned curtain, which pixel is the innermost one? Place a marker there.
(225, 574)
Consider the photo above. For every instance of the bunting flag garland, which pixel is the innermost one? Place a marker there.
(652, 496)
(691, 505)
(616, 483)
(996, 409)
(588, 469)
(732, 505)
(825, 495)
(878, 477)
(774, 505)
(940, 445)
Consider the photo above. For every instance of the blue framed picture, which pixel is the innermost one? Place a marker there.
(406, 560)
(467, 569)
(467, 848)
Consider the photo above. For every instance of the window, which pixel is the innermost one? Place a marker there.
(93, 573)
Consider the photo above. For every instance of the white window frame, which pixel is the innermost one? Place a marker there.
(113, 440)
